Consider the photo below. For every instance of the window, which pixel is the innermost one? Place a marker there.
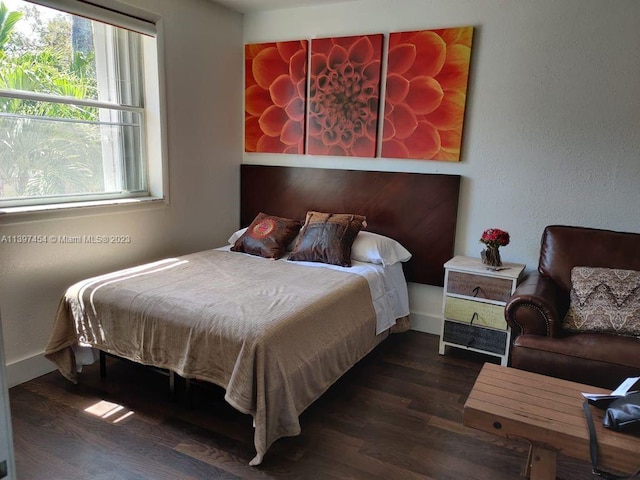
(75, 94)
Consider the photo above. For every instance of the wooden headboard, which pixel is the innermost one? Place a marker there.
(418, 210)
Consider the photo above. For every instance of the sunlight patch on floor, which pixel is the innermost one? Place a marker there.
(107, 410)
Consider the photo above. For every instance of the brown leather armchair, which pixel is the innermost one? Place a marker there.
(536, 310)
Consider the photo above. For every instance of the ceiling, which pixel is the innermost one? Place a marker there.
(249, 6)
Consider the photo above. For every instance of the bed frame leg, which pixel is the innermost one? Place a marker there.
(187, 391)
(103, 365)
(172, 385)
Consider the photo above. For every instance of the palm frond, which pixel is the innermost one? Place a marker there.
(8, 21)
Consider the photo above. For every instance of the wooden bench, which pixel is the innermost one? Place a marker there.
(548, 413)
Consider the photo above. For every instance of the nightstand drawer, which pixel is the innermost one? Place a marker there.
(462, 283)
(486, 339)
(463, 311)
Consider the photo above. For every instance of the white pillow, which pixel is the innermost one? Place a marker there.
(236, 235)
(373, 248)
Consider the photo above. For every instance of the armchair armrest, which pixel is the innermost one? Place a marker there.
(537, 307)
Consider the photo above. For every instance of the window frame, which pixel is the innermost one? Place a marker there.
(152, 125)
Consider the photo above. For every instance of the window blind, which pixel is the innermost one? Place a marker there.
(94, 11)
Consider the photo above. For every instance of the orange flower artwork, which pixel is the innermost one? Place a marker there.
(275, 91)
(343, 95)
(426, 91)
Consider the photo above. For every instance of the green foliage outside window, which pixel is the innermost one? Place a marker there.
(47, 148)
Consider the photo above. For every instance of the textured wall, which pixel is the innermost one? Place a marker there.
(551, 131)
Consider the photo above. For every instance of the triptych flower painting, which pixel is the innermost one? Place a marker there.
(426, 91)
(344, 95)
(423, 109)
(275, 90)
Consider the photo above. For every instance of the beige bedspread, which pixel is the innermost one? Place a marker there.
(274, 334)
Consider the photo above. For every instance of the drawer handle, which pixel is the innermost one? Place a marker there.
(471, 337)
(476, 290)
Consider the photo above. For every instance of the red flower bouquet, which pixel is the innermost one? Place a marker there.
(494, 237)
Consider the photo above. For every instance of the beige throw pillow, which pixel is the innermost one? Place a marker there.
(604, 300)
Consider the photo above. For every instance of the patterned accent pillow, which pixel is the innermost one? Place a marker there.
(327, 238)
(604, 300)
(267, 236)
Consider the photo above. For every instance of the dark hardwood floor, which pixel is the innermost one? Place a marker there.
(395, 415)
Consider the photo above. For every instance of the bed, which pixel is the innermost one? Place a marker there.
(275, 334)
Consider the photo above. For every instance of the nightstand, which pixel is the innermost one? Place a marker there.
(473, 306)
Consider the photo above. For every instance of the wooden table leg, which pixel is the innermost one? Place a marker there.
(526, 471)
(541, 464)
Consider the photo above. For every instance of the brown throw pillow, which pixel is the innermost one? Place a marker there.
(267, 236)
(604, 300)
(327, 238)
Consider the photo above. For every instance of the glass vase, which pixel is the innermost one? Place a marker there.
(491, 257)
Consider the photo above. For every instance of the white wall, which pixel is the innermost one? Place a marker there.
(551, 129)
(202, 45)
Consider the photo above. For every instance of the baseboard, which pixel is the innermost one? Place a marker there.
(28, 369)
(426, 323)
